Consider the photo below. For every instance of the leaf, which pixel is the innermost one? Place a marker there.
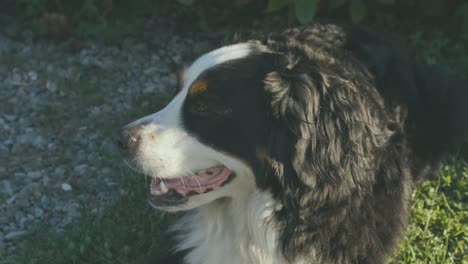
(275, 5)
(358, 10)
(462, 11)
(305, 10)
(386, 2)
(186, 2)
(337, 3)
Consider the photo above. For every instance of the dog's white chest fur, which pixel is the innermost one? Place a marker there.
(231, 231)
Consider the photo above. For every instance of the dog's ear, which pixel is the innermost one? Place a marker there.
(325, 130)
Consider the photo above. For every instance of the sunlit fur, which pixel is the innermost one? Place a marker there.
(327, 129)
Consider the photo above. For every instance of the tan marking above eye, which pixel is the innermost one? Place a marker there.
(180, 75)
(198, 87)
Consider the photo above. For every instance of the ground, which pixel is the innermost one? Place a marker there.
(67, 197)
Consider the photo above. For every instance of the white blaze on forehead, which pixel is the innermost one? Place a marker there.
(173, 151)
(214, 58)
(170, 114)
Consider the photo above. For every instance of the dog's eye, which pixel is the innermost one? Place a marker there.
(205, 110)
(200, 108)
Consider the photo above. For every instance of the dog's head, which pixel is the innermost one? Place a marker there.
(251, 117)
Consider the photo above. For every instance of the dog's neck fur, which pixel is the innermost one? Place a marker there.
(232, 230)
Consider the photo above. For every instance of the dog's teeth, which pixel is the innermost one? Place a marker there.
(163, 187)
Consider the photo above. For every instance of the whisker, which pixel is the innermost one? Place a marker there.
(132, 168)
(196, 178)
(155, 174)
(192, 174)
(183, 183)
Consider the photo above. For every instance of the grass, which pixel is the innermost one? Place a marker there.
(130, 231)
(438, 232)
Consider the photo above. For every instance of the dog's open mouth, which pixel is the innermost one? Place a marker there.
(170, 192)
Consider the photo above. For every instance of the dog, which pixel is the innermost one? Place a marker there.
(298, 147)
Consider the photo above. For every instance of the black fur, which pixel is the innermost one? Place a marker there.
(338, 124)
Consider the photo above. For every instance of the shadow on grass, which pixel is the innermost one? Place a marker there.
(129, 231)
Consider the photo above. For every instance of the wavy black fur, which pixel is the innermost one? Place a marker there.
(356, 121)
(339, 123)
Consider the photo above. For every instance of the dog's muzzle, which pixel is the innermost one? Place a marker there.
(129, 140)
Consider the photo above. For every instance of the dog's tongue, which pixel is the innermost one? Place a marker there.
(202, 181)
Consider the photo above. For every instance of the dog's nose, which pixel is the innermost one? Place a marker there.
(129, 139)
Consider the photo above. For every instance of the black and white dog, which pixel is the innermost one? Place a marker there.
(303, 147)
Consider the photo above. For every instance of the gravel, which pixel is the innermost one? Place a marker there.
(60, 104)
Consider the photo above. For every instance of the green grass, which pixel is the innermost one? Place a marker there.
(130, 231)
(439, 229)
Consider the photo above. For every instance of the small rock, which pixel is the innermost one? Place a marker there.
(65, 221)
(45, 180)
(22, 221)
(95, 111)
(34, 175)
(3, 149)
(11, 199)
(80, 169)
(51, 146)
(32, 75)
(6, 187)
(22, 201)
(17, 148)
(72, 209)
(4, 44)
(51, 86)
(177, 59)
(8, 142)
(19, 174)
(19, 215)
(38, 212)
(38, 141)
(16, 78)
(106, 171)
(150, 88)
(30, 216)
(66, 187)
(3, 124)
(10, 118)
(3, 219)
(151, 70)
(172, 80)
(44, 201)
(36, 190)
(109, 182)
(14, 234)
(59, 171)
(24, 138)
(155, 58)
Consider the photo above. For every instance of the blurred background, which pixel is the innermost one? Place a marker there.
(72, 72)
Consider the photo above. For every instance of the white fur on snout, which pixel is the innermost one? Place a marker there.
(232, 223)
(167, 150)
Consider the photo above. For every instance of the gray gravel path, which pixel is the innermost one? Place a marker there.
(60, 105)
